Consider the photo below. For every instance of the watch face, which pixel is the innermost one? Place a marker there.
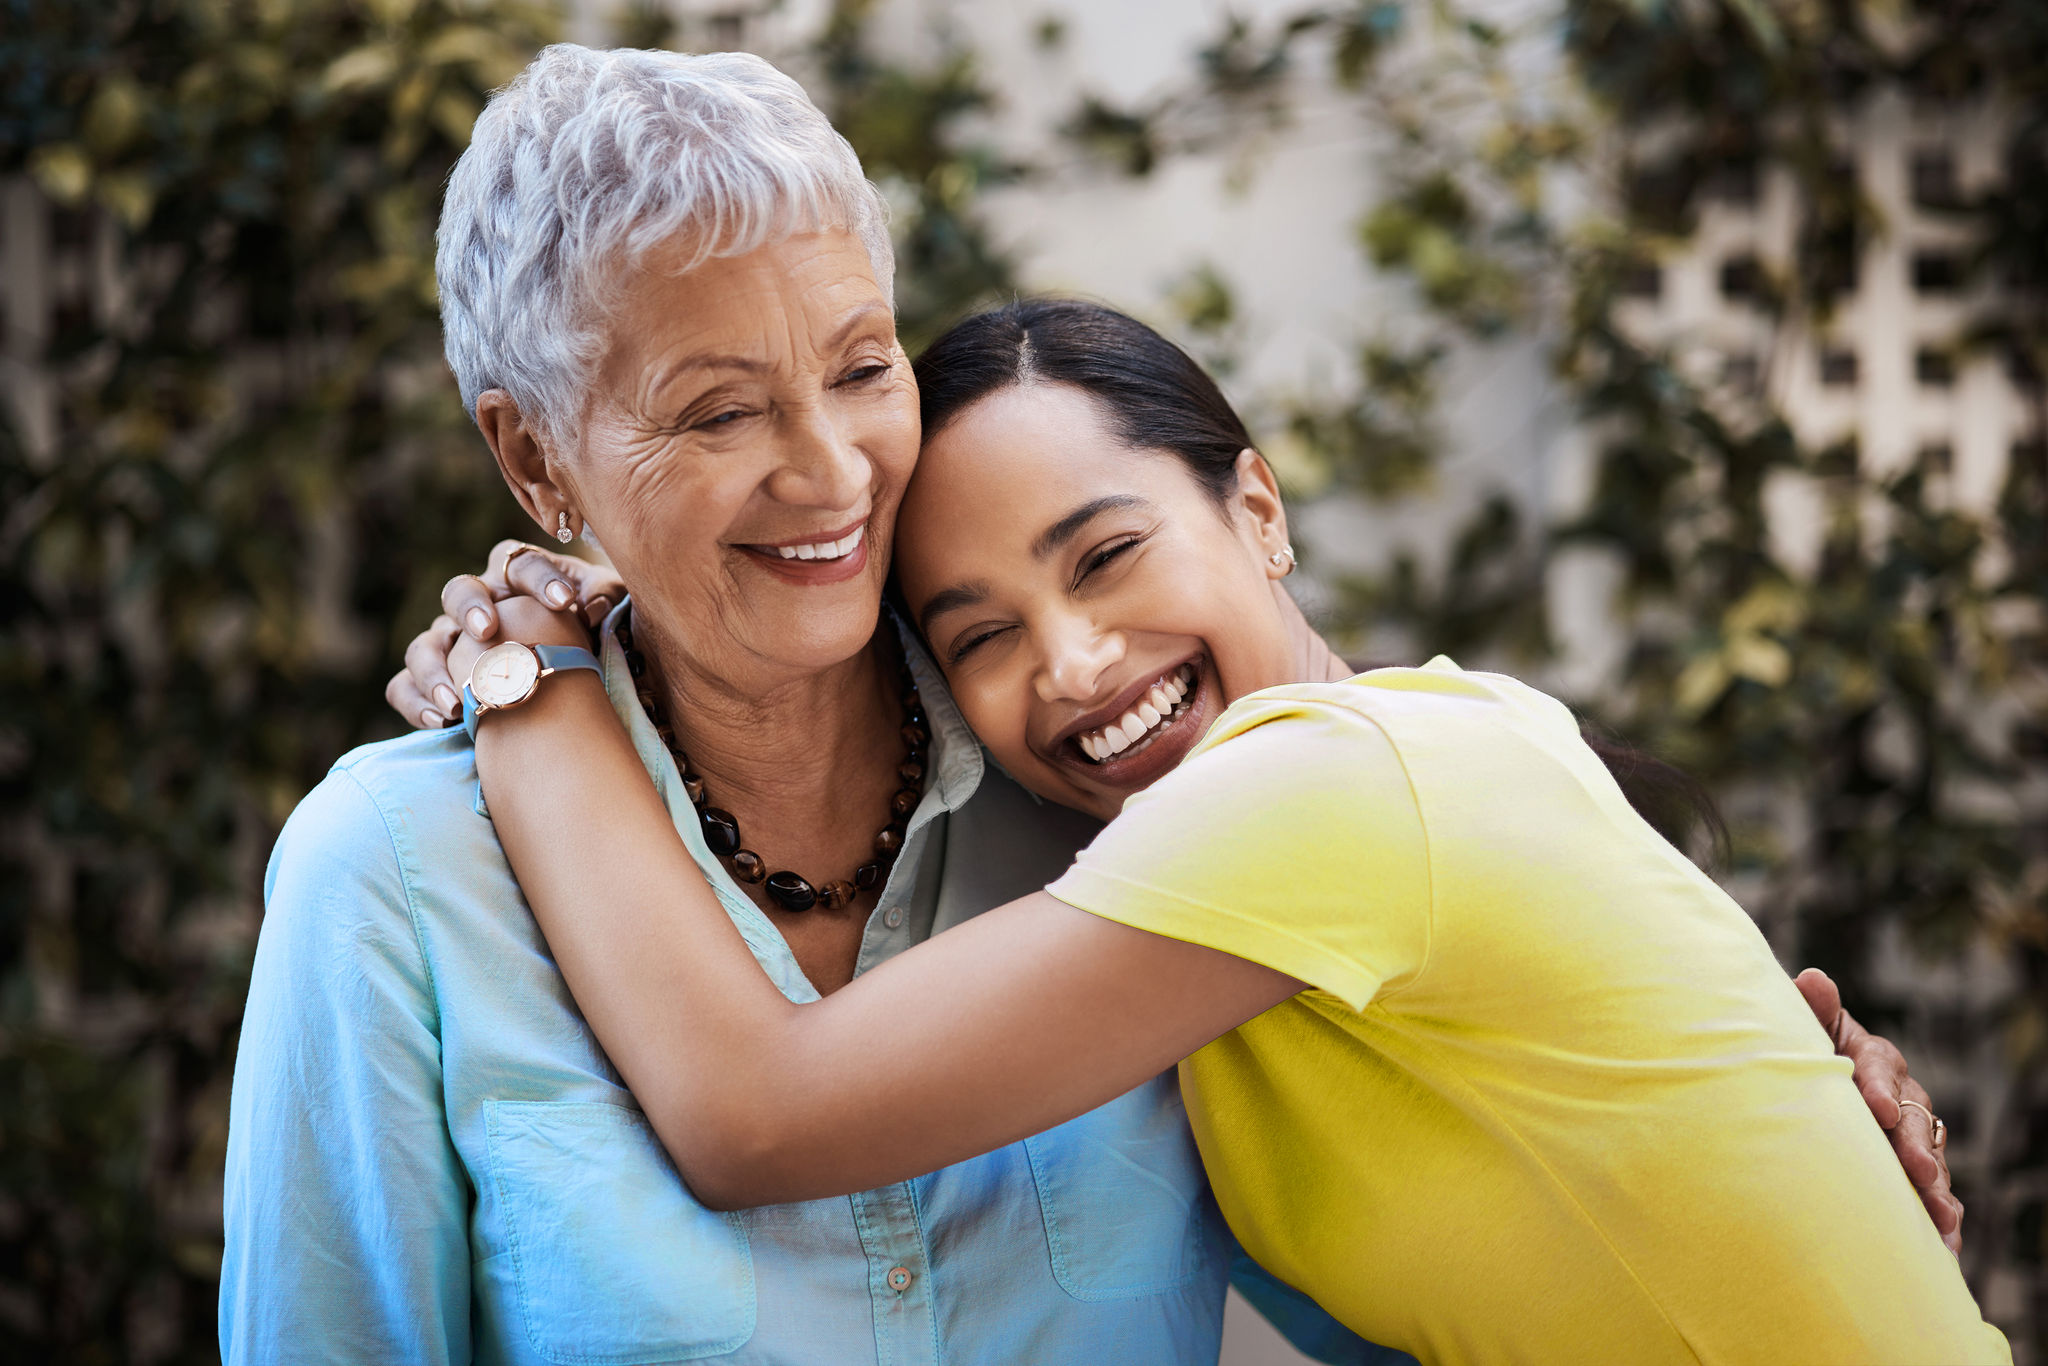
(504, 674)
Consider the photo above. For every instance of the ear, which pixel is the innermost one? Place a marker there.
(524, 461)
(1258, 498)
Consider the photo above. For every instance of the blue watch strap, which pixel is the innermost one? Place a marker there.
(559, 657)
(553, 659)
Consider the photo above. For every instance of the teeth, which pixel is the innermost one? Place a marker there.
(825, 550)
(1154, 708)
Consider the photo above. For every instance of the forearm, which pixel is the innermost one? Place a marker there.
(655, 963)
(1029, 1015)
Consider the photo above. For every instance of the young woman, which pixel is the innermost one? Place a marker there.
(1472, 1054)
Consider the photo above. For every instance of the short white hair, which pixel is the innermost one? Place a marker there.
(588, 160)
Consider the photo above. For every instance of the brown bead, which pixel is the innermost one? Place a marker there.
(748, 867)
(721, 830)
(914, 736)
(635, 665)
(910, 772)
(625, 634)
(791, 892)
(868, 876)
(665, 735)
(890, 841)
(904, 802)
(836, 895)
(693, 788)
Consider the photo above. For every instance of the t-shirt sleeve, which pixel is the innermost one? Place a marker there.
(1290, 837)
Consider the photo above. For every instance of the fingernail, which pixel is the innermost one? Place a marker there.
(558, 593)
(479, 622)
(432, 719)
(445, 695)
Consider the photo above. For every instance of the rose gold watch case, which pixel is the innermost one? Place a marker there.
(504, 676)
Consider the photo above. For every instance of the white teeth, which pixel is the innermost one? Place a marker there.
(825, 550)
(1153, 709)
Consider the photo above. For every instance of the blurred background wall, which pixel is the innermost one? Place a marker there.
(1684, 356)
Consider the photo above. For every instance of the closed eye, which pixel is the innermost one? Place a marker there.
(974, 640)
(867, 372)
(1098, 559)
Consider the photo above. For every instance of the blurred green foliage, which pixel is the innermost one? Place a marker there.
(257, 475)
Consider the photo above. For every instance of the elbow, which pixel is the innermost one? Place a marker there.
(728, 1159)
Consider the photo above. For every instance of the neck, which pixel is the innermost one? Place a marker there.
(1313, 659)
(806, 762)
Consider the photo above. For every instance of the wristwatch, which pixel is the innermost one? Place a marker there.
(506, 675)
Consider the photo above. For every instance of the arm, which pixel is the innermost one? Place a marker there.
(346, 1210)
(1029, 1015)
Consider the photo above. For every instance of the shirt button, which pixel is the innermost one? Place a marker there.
(893, 917)
(899, 1278)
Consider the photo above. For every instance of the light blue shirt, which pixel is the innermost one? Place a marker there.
(431, 1160)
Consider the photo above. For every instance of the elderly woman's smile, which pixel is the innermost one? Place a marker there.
(750, 430)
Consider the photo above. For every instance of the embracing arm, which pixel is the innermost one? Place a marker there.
(1021, 1019)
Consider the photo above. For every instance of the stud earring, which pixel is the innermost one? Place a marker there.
(562, 532)
(1283, 560)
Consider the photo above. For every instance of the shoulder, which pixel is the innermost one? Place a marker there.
(347, 857)
(1429, 715)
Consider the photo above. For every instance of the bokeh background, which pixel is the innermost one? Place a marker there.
(1685, 356)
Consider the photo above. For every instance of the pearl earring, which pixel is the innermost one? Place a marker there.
(1283, 560)
(562, 532)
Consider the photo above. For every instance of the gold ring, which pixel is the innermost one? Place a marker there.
(1934, 1123)
(523, 549)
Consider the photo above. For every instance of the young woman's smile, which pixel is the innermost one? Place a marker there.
(1094, 606)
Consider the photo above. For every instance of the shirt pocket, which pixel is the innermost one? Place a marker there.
(1124, 1197)
(614, 1261)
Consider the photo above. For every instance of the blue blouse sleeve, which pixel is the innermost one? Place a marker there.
(346, 1208)
(1305, 1323)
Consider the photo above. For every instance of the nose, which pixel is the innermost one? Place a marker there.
(1077, 656)
(822, 465)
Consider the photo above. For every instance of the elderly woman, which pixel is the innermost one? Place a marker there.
(666, 290)
(667, 294)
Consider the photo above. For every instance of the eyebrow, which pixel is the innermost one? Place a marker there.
(748, 365)
(1069, 526)
(952, 600)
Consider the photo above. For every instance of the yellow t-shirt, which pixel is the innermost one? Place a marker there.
(1549, 1097)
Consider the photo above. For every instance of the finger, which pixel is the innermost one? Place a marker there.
(467, 599)
(1880, 1072)
(598, 588)
(539, 575)
(426, 660)
(1823, 997)
(427, 664)
(1913, 1140)
(405, 699)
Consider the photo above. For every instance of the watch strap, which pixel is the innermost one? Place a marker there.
(553, 659)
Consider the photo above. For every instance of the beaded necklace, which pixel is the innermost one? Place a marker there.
(722, 829)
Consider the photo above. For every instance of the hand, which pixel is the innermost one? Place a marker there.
(426, 691)
(1881, 1077)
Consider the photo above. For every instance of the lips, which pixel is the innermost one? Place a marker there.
(831, 557)
(823, 550)
(1154, 710)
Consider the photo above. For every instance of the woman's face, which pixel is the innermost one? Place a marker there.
(1093, 607)
(744, 453)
